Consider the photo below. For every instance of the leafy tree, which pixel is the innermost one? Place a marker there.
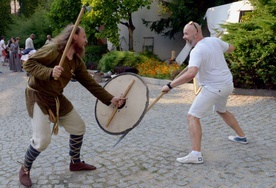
(33, 21)
(110, 13)
(5, 16)
(38, 24)
(253, 63)
(28, 7)
(63, 13)
(177, 13)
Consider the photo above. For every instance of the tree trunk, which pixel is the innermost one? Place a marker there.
(15, 12)
(131, 29)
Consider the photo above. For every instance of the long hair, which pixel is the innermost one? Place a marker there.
(63, 37)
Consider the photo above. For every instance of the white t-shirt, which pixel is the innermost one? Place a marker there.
(208, 56)
(29, 43)
(2, 45)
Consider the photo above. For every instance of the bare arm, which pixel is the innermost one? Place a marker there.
(230, 49)
(184, 78)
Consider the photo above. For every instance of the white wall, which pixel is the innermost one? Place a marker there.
(162, 46)
(228, 13)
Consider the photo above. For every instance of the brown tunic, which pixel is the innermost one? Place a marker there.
(45, 88)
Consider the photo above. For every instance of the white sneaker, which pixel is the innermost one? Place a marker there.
(190, 159)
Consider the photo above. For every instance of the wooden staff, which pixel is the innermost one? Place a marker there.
(71, 36)
(161, 95)
(116, 108)
(196, 88)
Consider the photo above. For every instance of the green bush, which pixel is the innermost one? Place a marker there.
(253, 63)
(150, 55)
(93, 54)
(119, 58)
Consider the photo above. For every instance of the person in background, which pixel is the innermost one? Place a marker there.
(46, 102)
(16, 54)
(14, 61)
(25, 57)
(29, 44)
(49, 38)
(11, 50)
(208, 65)
(8, 49)
(3, 51)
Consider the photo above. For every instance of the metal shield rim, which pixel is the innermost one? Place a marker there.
(142, 115)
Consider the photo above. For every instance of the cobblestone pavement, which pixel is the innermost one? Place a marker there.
(146, 157)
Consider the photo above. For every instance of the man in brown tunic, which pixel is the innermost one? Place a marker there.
(46, 103)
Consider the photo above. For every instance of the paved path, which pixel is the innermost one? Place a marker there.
(146, 158)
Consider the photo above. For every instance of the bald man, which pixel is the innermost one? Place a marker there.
(49, 38)
(207, 64)
(29, 42)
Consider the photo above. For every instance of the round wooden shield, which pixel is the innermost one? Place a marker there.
(121, 120)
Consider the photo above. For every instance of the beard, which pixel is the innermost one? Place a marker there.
(191, 42)
(80, 50)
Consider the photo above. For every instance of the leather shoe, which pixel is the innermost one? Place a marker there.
(24, 177)
(81, 166)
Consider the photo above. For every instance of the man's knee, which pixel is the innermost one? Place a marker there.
(40, 144)
(191, 117)
(221, 113)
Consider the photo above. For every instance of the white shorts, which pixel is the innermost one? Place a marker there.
(206, 99)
